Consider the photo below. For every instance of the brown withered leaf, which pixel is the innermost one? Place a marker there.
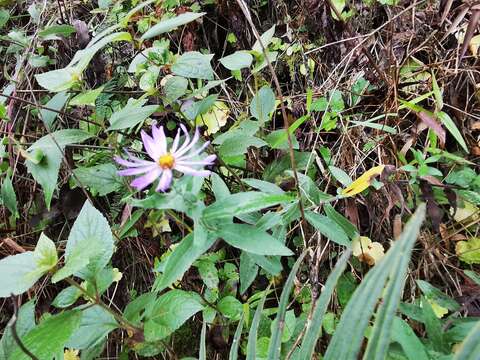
(433, 210)
(433, 124)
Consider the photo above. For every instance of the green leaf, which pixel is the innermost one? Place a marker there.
(470, 347)
(49, 336)
(434, 294)
(341, 220)
(132, 114)
(248, 271)
(175, 87)
(277, 139)
(66, 297)
(437, 93)
(46, 171)
(328, 228)
(4, 17)
(62, 30)
(263, 103)
(348, 337)
(45, 254)
(265, 40)
(25, 323)
(87, 98)
(235, 146)
(16, 273)
(90, 231)
(194, 64)
(182, 257)
(8, 196)
(168, 313)
(276, 337)
(96, 324)
(243, 203)
(233, 355)
(289, 326)
(252, 334)
(55, 103)
(230, 307)
(101, 179)
(208, 272)
(170, 24)
(264, 186)
(238, 60)
(446, 120)
(433, 327)
(58, 80)
(249, 238)
(411, 345)
(314, 328)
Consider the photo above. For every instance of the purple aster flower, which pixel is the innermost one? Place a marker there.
(164, 161)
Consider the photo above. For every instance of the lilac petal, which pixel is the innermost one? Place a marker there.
(159, 139)
(165, 180)
(149, 145)
(185, 143)
(186, 146)
(195, 152)
(191, 171)
(135, 163)
(137, 170)
(143, 181)
(209, 160)
(175, 142)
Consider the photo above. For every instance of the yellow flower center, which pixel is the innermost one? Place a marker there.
(166, 161)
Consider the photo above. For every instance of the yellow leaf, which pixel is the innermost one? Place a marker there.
(439, 311)
(71, 354)
(215, 118)
(367, 251)
(474, 44)
(469, 251)
(468, 212)
(363, 181)
(117, 275)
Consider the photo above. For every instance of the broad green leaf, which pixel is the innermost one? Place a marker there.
(230, 307)
(50, 335)
(66, 297)
(252, 334)
(432, 293)
(469, 251)
(263, 103)
(411, 345)
(89, 228)
(238, 60)
(208, 272)
(169, 312)
(179, 261)
(289, 326)
(55, 103)
(314, 328)
(17, 273)
(170, 24)
(132, 114)
(8, 197)
(470, 347)
(265, 40)
(249, 238)
(101, 179)
(62, 30)
(348, 337)
(328, 228)
(200, 107)
(195, 65)
(233, 355)
(433, 327)
(46, 171)
(452, 129)
(243, 203)
(25, 323)
(276, 337)
(45, 254)
(58, 80)
(341, 220)
(277, 139)
(175, 87)
(86, 98)
(239, 145)
(96, 324)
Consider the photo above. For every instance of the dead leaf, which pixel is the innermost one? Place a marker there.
(367, 251)
(363, 182)
(433, 124)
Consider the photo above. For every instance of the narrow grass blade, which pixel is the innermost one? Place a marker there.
(314, 327)
(470, 347)
(236, 340)
(203, 347)
(347, 340)
(252, 335)
(380, 337)
(276, 338)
